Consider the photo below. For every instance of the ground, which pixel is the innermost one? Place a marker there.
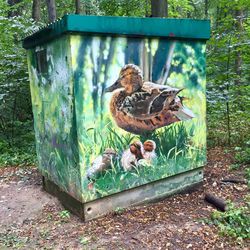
(32, 219)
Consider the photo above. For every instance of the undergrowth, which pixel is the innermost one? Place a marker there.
(242, 159)
(235, 222)
(242, 155)
(18, 149)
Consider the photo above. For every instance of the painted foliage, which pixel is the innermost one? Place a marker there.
(51, 83)
(113, 113)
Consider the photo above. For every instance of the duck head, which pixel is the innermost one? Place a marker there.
(136, 149)
(149, 146)
(130, 79)
(109, 152)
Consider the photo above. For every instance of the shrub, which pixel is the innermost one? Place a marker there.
(235, 222)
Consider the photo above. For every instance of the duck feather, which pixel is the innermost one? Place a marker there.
(149, 101)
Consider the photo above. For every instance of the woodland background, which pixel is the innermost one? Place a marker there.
(228, 65)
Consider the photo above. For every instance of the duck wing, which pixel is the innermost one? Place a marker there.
(150, 86)
(149, 101)
(138, 104)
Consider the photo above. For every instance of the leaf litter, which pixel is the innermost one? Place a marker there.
(33, 219)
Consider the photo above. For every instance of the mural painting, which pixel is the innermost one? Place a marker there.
(114, 113)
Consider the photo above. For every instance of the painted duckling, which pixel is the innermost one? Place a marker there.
(132, 155)
(149, 154)
(100, 164)
(140, 107)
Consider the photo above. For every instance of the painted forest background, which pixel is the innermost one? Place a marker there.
(228, 65)
(179, 147)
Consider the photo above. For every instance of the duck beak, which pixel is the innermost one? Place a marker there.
(113, 87)
(179, 91)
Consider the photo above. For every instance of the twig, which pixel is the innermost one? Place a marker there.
(232, 180)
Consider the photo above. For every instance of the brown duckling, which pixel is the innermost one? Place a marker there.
(149, 153)
(132, 155)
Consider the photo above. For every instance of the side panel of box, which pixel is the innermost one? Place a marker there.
(52, 101)
(129, 134)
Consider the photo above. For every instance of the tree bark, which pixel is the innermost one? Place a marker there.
(36, 10)
(216, 201)
(228, 89)
(206, 9)
(159, 8)
(147, 14)
(78, 6)
(51, 5)
(15, 12)
(238, 60)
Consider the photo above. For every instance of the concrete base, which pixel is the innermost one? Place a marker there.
(140, 195)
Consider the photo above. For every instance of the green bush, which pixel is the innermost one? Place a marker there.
(235, 222)
(17, 158)
(18, 148)
(243, 154)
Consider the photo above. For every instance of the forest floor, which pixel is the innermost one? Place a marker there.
(32, 219)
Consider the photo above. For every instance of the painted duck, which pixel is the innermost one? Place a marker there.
(100, 164)
(140, 107)
(132, 155)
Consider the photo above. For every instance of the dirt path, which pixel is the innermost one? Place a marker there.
(32, 219)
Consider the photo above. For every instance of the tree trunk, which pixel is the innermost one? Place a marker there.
(146, 4)
(36, 10)
(78, 6)
(14, 12)
(206, 9)
(238, 60)
(218, 17)
(228, 89)
(51, 5)
(159, 8)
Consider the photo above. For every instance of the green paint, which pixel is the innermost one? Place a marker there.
(72, 119)
(128, 26)
(52, 98)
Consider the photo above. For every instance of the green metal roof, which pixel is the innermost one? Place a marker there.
(128, 26)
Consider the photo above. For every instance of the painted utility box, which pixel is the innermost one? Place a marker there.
(119, 108)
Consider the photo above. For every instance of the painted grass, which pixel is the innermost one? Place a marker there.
(175, 150)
